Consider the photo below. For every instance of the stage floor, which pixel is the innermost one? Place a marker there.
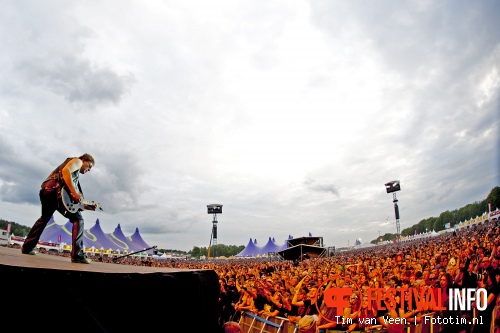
(49, 292)
(14, 257)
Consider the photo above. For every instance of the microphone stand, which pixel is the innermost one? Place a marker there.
(149, 248)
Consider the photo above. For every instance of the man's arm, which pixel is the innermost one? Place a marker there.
(72, 166)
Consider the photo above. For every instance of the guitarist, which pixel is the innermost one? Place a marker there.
(68, 175)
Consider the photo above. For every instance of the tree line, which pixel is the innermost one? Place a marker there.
(218, 250)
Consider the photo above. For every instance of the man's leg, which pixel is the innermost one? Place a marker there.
(77, 249)
(48, 200)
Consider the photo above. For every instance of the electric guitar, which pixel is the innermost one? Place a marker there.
(71, 206)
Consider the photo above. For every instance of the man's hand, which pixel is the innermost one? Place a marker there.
(90, 207)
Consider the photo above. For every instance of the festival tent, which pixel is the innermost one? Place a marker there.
(269, 247)
(283, 247)
(163, 256)
(59, 234)
(118, 237)
(137, 239)
(64, 235)
(251, 250)
(94, 237)
(51, 232)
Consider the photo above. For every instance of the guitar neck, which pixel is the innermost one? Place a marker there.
(97, 205)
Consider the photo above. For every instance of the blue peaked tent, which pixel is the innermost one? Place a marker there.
(52, 231)
(292, 249)
(58, 233)
(95, 237)
(283, 246)
(251, 250)
(270, 246)
(119, 238)
(137, 239)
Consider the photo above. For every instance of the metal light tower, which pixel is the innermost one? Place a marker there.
(213, 209)
(393, 187)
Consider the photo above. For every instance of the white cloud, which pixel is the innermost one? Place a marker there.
(292, 114)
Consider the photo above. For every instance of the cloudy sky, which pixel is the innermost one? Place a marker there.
(291, 114)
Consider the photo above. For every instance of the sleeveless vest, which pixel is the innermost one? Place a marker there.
(55, 179)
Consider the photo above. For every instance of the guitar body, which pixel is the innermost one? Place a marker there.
(70, 206)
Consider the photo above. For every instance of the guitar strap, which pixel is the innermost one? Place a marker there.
(80, 189)
(59, 191)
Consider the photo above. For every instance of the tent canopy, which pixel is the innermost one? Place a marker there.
(95, 237)
(253, 250)
(292, 248)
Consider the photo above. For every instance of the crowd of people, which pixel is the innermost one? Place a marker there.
(467, 259)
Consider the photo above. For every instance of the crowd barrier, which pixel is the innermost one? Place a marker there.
(251, 323)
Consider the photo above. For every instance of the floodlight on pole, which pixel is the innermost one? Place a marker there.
(393, 187)
(213, 209)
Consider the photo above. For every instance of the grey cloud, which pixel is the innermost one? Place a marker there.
(17, 175)
(328, 188)
(117, 181)
(157, 169)
(410, 36)
(78, 81)
(47, 51)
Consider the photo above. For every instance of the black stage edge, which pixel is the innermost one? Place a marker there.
(49, 293)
